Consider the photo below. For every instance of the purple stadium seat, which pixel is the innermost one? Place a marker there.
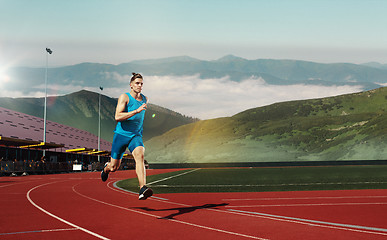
(23, 126)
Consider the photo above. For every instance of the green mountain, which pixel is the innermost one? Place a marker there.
(80, 110)
(276, 72)
(347, 127)
(375, 65)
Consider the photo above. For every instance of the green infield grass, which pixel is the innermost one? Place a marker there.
(265, 179)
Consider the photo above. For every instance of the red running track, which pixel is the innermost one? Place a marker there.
(81, 206)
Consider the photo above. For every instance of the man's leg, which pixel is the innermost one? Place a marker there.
(138, 154)
(119, 145)
(112, 166)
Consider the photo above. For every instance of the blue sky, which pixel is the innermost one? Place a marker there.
(121, 31)
(114, 31)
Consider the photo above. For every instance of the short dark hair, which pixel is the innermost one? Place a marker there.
(135, 75)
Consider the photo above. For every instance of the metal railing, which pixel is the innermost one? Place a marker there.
(17, 168)
(32, 167)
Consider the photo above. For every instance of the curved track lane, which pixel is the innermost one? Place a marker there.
(80, 206)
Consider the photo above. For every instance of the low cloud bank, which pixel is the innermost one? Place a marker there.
(221, 97)
(196, 97)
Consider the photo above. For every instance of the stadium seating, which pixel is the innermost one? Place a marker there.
(23, 126)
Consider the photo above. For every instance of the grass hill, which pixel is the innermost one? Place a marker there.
(80, 110)
(347, 127)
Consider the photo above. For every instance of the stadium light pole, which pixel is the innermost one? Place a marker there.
(49, 51)
(99, 123)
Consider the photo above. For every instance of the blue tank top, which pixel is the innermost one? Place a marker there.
(133, 126)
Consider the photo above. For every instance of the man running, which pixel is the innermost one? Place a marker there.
(129, 115)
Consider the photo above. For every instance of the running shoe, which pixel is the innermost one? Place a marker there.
(145, 192)
(104, 175)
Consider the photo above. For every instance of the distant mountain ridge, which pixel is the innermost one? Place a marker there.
(80, 110)
(347, 127)
(275, 72)
(375, 65)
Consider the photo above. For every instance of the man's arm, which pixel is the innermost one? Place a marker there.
(121, 115)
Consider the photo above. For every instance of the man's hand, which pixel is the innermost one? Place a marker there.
(142, 107)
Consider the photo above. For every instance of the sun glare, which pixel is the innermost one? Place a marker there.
(4, 77)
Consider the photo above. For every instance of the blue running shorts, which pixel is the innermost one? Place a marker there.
(121, 142)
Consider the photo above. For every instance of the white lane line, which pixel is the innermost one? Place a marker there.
(172, 220)
(301, 198)
(40, 231)
(350, 227)
(177, 175)
(244, 213)
(21, 182)
(305, 205)
(58, 218)
(115, 185)
(266, 185)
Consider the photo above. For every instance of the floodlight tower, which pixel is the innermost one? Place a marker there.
(99, 122)
(49, 51)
